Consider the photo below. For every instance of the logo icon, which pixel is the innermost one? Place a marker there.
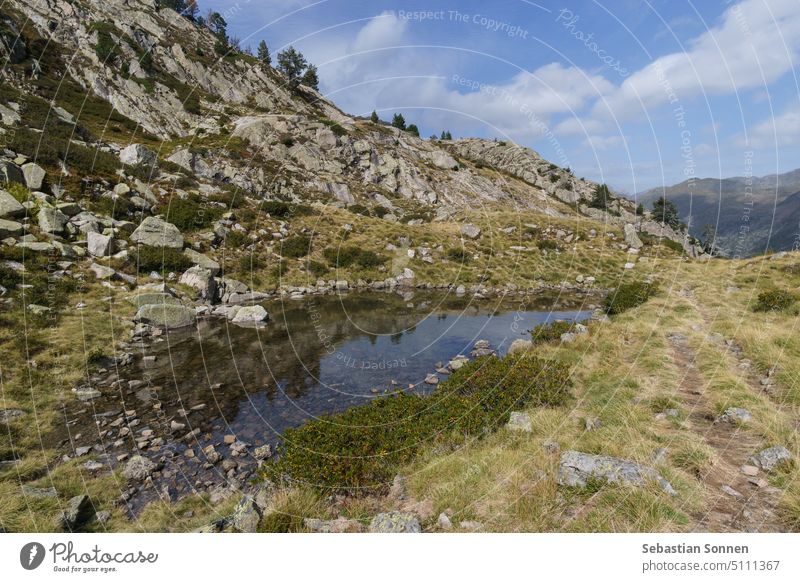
(31, 555)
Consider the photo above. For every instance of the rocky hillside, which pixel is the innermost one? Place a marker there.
(128, 72)
(750, 214)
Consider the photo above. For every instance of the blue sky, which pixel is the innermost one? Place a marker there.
(637, 94)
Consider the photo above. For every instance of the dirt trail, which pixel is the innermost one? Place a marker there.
(737, 502)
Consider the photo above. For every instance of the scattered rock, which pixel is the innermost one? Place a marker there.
(338, 525)
(444, 522)
(520, 421)
(576, 469)
(470, 231)
(138, 468)
(39, 493)
(432, 379)
(631, 238)
(246, 516)
(79, 511)
(202, 280)
(99, 245)
(262, 452)
(736, 415)
(52, 221)
(136, 154)
(771, 458)
(749, 470)
(9, 414)
(728, 490)
(395, 522)
(9, 207)
(34, 176)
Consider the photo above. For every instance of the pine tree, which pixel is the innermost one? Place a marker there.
(311, 78)
(413, 129)
(374, 117)
(263, 53)
(667, 213)
(640, 210)
(399, 121)
(292, 64)
(600, 198)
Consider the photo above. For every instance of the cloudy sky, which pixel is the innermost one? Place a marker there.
(634, 93)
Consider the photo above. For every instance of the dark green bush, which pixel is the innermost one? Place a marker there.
(316, 268)
(189, 213)
(347, 256)
(459, 255)
(629, 295)
(296, 246)
(358, 209)
(362, 447)
(160, 260)
(119, 208)
(236, 239)
(547, 244)
(9, 278)
(551, 331)
(774, 300)
(380, 211)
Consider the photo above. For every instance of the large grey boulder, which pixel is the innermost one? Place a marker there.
(10, 228)
(250, 314)
(576, 469)
(771, 458)
(9, 207)
(52, 220)
(34, 176)
(155, 232)
(201, 260)
(631, 238)
(136, 154)
(166, 316)
(138, 468)
(202, 280)
(99, 245)
(520, 421)
(395, 522)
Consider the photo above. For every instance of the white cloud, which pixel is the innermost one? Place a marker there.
(776, 132)
(746, 50)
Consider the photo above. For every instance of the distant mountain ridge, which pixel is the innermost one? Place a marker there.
(750, 214)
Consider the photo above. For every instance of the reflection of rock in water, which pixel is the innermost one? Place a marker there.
(254, 383)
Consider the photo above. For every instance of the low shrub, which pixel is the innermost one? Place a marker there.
(296, 246)
(19, 192)
(348, 256)
(459, 255)
(550, 331)
(362, 448)
(189, 213)
(159, 259)
(547, 244)
(774, 300)
(9, 278)
(316, 268)
(629, 295)
(236, 239)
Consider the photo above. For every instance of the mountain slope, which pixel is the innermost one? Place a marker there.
(751, 214)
